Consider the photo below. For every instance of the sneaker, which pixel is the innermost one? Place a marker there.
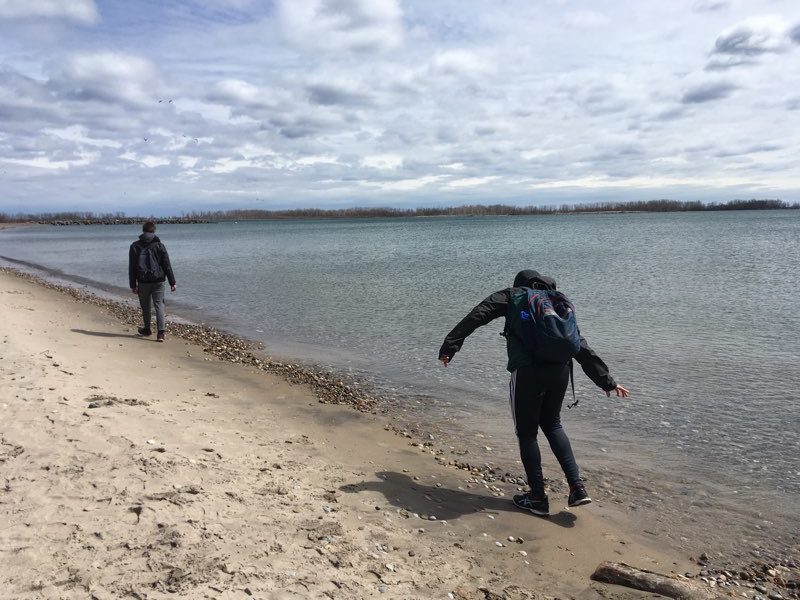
(578, 495)
(160, 336)
(144, 331)
(527, 502)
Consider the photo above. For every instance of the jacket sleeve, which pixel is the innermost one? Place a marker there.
(492, 307)
(132, 257)
(166, 265)
(594, 367)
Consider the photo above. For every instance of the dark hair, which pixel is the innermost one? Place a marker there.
(149, 227)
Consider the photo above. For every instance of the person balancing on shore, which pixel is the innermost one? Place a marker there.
(148, 269)
(542, 338)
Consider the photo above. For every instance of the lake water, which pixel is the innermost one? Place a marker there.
(697, 313)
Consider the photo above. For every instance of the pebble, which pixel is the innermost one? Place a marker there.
(522, 553)
(499, 544)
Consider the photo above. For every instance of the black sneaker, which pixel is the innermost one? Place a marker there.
(160, 336)
(540, 507)
(144, 331)
(578, 495)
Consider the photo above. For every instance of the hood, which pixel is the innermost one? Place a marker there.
(149, 238)
(534, 279)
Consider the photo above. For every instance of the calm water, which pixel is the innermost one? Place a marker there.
(696, 313)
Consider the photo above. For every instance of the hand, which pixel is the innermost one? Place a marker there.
(173, 287)
(445, 359)
(134, 290)
(621, 391)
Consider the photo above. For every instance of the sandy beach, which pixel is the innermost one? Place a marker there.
(133, 469)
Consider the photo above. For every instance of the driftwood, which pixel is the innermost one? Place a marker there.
(639, 579)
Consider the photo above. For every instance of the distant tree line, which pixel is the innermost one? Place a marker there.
(88, 218)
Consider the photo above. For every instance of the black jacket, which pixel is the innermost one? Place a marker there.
(497, 305)
(160, 251)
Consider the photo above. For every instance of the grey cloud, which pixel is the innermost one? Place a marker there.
(106, 77)
(331, 95)
(706, 92)
(670, 114)
(723, 63)
(794, 34)
(751, 39)
(485, 130)
(755, 149)
(793, 104)
(710, 5)
(357, 14)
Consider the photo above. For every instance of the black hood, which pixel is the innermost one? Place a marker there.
(534, 279)
(149, 238)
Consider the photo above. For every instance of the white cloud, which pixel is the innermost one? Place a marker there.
(586, 19)
(78, 134)
(79, 11)
(383, 161)
(108, 77)
(46, 163)
(460, 62)
(405, 185)
(360, 25)
(148, 160)
(742, 43)
(471, 181)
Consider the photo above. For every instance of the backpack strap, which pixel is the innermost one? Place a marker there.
(572, 381)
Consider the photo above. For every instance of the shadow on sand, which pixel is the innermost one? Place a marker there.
(105, 334)
(446, 504)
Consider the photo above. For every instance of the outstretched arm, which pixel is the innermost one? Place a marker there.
(492, 307)
(597, 371)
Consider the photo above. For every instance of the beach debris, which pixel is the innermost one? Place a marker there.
(137, 510)
(9, 450)
(648, 581)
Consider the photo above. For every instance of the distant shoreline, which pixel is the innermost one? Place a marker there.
(495, 210)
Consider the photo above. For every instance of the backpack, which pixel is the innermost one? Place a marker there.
(544, 321)
(148, 267)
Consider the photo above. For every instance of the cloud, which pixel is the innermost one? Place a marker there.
(108, 77)
(794, 34)
(78, 134)
(467, 182)
(754, 37)
(383, 161)
(78, 11)
(708, 91)
(710, 5)
(238, 92)
(356, 25)
(586, 19)
(328, 94)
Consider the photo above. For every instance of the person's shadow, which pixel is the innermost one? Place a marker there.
(443, 503)
(104, 334)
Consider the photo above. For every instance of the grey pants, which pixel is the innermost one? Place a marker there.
(155, 292)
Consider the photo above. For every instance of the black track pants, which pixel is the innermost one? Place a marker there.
(536, 395)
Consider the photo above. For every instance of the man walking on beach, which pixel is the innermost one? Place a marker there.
(148, 269)
(537, 386)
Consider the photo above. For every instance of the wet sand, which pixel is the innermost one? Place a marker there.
(145, 470)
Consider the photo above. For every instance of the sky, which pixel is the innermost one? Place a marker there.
(165, 106)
